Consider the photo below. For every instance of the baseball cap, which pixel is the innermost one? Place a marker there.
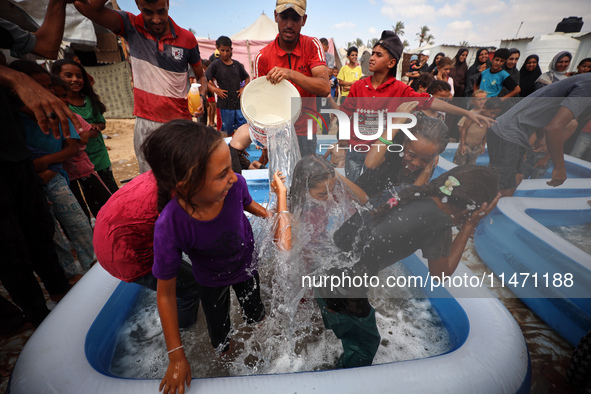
(298, 6)
(426, 52)
(390, 42)
(414, 57)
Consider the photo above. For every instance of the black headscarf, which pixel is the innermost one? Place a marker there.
(527, 79)
(473, 71)
(433, 65)
(458, 73)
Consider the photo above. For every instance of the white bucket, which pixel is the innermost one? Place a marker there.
(268, 107)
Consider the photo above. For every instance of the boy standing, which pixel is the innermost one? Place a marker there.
(493, 79)
(228, 74)
(473, 136)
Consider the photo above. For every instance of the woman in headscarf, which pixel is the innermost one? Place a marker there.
(529, 73)
(433, 67)
(557, 70)
(458, 72)
(481, 63)
(511, 67)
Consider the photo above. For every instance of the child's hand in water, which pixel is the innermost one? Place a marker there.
(278, 184)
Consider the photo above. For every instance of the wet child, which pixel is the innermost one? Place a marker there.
(86, 103)
(412, 163)
(473, 137)
(205, 219)
(460, 197)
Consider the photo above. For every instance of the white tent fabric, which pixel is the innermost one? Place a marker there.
(263, 29)
(78, 29)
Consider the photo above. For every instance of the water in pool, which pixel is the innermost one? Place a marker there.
(578, 235)
(292, 337)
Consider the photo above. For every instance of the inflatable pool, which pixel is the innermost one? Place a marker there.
(519, 241)
(575, 168)
(72, 350)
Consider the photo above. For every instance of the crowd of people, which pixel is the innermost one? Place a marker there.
(179, 228)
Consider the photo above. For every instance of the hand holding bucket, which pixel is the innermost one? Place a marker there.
(269, 107)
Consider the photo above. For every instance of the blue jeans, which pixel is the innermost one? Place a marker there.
(187, 293)
(231, 120)
(354, 165)
(74, 222)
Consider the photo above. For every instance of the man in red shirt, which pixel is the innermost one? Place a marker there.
(297, 58)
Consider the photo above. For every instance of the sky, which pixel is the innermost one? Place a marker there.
(479, 22)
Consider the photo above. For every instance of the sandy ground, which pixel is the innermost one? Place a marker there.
(120, 144)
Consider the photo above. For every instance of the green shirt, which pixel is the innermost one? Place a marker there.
(96, 148)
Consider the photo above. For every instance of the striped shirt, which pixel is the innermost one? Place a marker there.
(160, 68)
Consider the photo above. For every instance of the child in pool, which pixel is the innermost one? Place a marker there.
(206, 221)
(413, 164)
(460, 197)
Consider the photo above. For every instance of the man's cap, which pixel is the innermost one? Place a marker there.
(298, 6)
(426, 52)
(390, 42)
(414, 57)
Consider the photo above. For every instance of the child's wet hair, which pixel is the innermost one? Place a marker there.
(309, 172)
(87, 89)
(433, 130)
(179, 151)
(477, 185)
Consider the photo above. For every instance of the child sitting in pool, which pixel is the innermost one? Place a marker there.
(460, 197)
(412, 162)
(205, 219)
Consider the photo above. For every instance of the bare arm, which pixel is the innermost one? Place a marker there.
(50, 33)
(444, 106)
(317, 84)
(446, 265)
(283, 222)
(256, 209)
(178, 372)
(41, 102)
(99, 14)
(511, 93)
(426, 173)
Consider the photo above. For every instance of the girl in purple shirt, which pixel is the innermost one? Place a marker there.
(205, 219)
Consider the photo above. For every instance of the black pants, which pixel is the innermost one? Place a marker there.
(216, 307)
(26, 240)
